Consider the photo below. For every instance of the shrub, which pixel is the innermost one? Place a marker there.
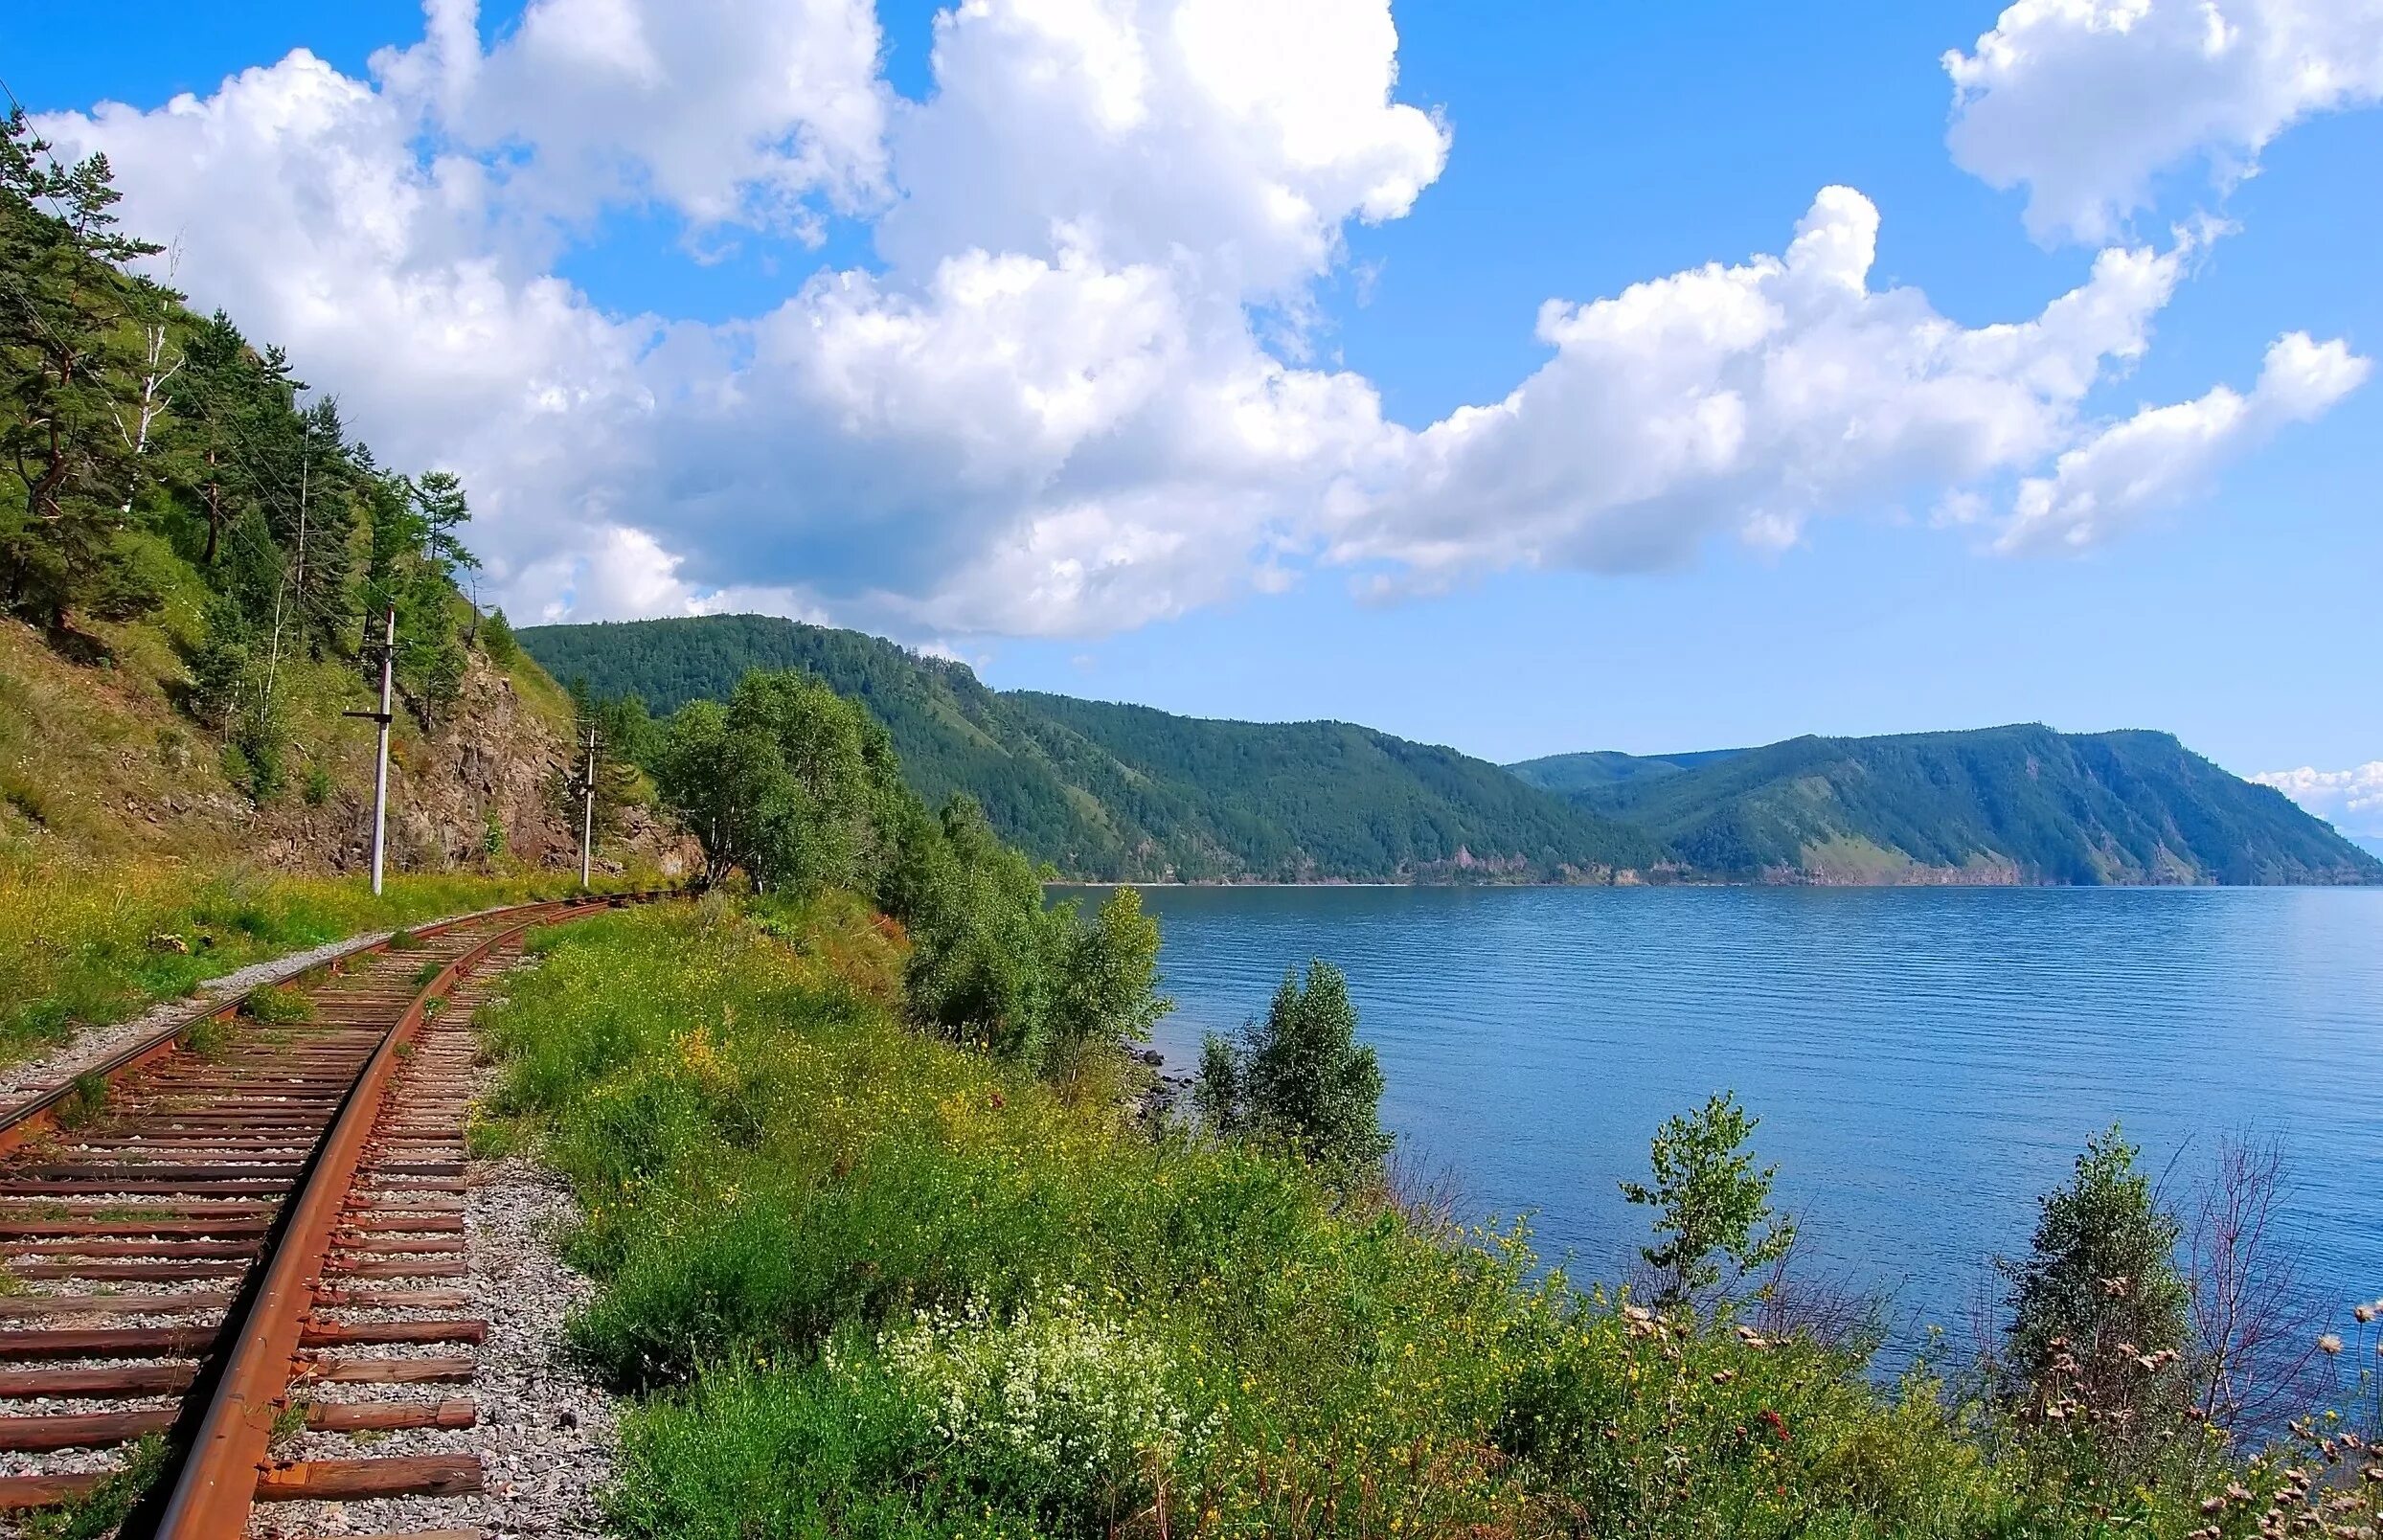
(1302, 1078)
(2100, 1313)
(1054, 1412)
(1711, 1205)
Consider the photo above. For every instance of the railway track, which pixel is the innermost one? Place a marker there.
(254, 1233)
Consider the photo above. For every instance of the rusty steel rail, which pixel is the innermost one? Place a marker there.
(29, 1117)
(216, 1485)
(276, 1180)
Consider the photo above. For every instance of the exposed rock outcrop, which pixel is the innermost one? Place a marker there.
(492, 776)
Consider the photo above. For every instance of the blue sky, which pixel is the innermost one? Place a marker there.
(1586, 148)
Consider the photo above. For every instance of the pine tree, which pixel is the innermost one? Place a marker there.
(69, 372)
(204, 446)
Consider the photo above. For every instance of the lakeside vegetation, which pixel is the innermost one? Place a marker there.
(870, 1281)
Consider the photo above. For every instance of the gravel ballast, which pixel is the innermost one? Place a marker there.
(545, 1435)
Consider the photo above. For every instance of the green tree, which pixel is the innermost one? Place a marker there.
(1217, 1095)
(786, 782)
(1108, 995)
(442, 510)
(315, 525)
(68, 370)
(496, 640)
(412, 555)
(1300, 1077)
(627, 739)
(1711, 1203)
(982, 941)
(2100, 1312)
(801, 789)
(205, 452)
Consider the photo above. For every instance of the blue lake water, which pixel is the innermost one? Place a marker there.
(1925, 1062)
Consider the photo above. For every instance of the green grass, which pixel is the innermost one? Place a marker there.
(279, 1005)
(866, 1284)
(80, 949)
(85, 1099)
(102, 1510)
(208, 1040)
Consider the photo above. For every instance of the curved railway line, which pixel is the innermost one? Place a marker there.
(255, 1229)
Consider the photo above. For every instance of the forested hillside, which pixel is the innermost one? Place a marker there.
(1126, 792)
(1999, 805)
(1570, 775)
(1112, 791)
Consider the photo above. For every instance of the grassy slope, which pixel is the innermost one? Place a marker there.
(1114, 791)
(100, 766)
(778, 1178)
(118, 828)
(2025, 802)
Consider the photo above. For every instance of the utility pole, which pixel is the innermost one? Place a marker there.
(587, 814)
(380, 776)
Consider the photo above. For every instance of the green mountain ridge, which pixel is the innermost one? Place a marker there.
(1118, 792)
(2018, 803)
(1110, 792)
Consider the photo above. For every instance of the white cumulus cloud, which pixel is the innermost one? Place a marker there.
(2351, 799)
(2084, 102)
(723, 110)
(2165, 453)
(1744, 399)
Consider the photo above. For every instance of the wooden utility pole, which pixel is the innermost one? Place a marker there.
(587, 814)
(380, 776)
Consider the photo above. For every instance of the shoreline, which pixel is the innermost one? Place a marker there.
(1146, 884)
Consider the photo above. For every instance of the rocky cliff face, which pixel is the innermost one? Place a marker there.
(490, 778)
